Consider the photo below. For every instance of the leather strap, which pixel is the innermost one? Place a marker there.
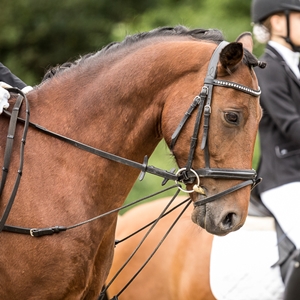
(143, 167)
(36, 232)
(8, 151)
(223, 193)
(194, 137)
(175, 135)
(10, 141)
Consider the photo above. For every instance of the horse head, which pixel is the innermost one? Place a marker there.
(221, 135)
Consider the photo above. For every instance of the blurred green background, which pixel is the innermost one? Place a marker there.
(37, 34)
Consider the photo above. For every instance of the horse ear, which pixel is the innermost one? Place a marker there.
(231, 55)
(247, 41)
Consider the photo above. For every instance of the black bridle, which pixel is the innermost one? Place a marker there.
(203, 102)
(185, 175)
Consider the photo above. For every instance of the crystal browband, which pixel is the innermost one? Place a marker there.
(237, 86)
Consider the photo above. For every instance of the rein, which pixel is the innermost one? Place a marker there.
(8, 152)
(153, 223)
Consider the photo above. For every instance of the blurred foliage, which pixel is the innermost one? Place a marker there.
(37, 34)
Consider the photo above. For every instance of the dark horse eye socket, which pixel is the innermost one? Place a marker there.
(232, 117)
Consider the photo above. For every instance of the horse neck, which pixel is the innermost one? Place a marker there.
(116, 108)
(121, 99)
(103, 114)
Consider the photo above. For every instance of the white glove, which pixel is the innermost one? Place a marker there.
(27, 89)
(4, 96)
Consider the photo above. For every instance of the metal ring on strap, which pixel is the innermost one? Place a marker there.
(196, 175)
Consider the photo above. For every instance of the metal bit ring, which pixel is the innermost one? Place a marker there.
(196, 175)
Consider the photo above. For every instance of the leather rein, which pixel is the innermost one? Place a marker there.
(184, 175)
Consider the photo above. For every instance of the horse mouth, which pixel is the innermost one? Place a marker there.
(198, 216)
(215, 221)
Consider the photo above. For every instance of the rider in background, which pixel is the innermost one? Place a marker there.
(7, 80)
(277, 23)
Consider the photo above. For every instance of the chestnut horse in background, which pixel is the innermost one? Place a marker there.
(120, 102)
(178, 270)
(192, 263)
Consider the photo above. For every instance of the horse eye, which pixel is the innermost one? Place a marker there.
(232, 117)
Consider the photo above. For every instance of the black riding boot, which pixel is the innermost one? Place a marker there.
(292, 280)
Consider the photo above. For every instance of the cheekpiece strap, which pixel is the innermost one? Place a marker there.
(209, 82)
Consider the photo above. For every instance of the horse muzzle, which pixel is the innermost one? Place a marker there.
(217, 219)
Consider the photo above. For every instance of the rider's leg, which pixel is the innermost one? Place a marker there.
(284, 203)
(292, 280)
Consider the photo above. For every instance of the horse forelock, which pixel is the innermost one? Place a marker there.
(213, 35)
(250, 60)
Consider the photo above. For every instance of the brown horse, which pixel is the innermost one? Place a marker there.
(119, 103)
(180, 267)
(183, 266)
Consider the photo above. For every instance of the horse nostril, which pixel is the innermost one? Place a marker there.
(228, 221)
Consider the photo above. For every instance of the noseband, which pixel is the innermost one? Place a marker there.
(203, 102)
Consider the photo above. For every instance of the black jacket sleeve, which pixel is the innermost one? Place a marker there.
(8, 77)
(280, 99)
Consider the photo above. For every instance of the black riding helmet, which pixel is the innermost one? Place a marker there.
(262, 9)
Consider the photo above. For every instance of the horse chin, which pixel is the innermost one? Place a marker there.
(215, 220)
